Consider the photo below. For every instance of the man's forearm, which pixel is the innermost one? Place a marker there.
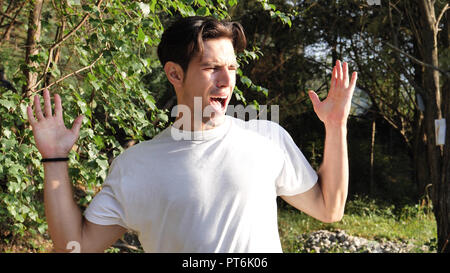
(63, 215)
(333, 172)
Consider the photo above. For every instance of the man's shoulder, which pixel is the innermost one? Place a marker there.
(143, 150)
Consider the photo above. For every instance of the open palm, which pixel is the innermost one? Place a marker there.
(334, 110)
(52, 137)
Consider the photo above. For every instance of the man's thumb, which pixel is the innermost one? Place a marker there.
(77, 124)
(314, 98)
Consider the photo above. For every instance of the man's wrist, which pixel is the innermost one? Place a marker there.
(54, 154)
(54, 159)
(342, 127)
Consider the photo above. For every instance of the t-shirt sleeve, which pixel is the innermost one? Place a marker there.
(297, 175)
(106, 208)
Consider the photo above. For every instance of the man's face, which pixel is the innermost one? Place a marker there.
(211, 78)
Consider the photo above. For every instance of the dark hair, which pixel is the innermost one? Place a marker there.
(184, 38)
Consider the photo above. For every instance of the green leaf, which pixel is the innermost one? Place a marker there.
(7, 132)
(91, 77)
(8, 144)
(73, 2)
(232, 2)
(95, 85)
(266, 6)
(141, 35)
(163, 117)
(7, 104)
(42, 228)
(245, 80)
(203, 11)
(102, 163)
(87, 8)
(109, 21)
(99, 142)
(265, 91)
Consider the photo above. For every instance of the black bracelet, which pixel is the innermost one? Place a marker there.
(54, 159)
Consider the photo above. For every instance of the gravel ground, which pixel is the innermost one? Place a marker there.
(321, 241)
(324, 241)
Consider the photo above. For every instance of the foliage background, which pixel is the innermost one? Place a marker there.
(107, 70)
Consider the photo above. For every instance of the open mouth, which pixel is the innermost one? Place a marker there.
(218, 102)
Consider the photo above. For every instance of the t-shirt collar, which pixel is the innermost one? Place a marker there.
(203, 135)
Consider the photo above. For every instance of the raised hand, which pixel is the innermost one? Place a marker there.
(334, 110)
(52, 137)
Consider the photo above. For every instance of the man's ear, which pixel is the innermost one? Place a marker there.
(174, 73)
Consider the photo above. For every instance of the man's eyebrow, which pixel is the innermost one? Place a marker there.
(216, 63)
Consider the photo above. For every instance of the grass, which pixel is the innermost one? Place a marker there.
(364, 218)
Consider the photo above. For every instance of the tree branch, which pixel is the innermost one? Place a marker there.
(445, 73)
(68, 75)
(444, 9)
(9, 17)
(8, 9)
(11, 24)
(59, 42)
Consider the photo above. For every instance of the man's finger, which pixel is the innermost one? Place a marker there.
(339, 71)
(30, 115)
(333, 78)
(58, 107)
(47, 104)
(345, 72)
(353, 81)
(37, 108)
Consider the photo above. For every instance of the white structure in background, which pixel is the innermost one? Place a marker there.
(374, 2)
(439, 125)
(420, 103)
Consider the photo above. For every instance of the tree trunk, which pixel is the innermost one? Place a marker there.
(34, 33)
(446, 158)
(372, 150)
(437, 162)
(421, 176)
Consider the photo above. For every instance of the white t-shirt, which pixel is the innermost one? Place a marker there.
(214, 193)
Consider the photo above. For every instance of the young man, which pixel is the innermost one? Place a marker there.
(209, 182)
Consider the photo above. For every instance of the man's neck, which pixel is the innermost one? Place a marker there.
(197, 125)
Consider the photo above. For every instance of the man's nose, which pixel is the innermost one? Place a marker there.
(224, 78)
